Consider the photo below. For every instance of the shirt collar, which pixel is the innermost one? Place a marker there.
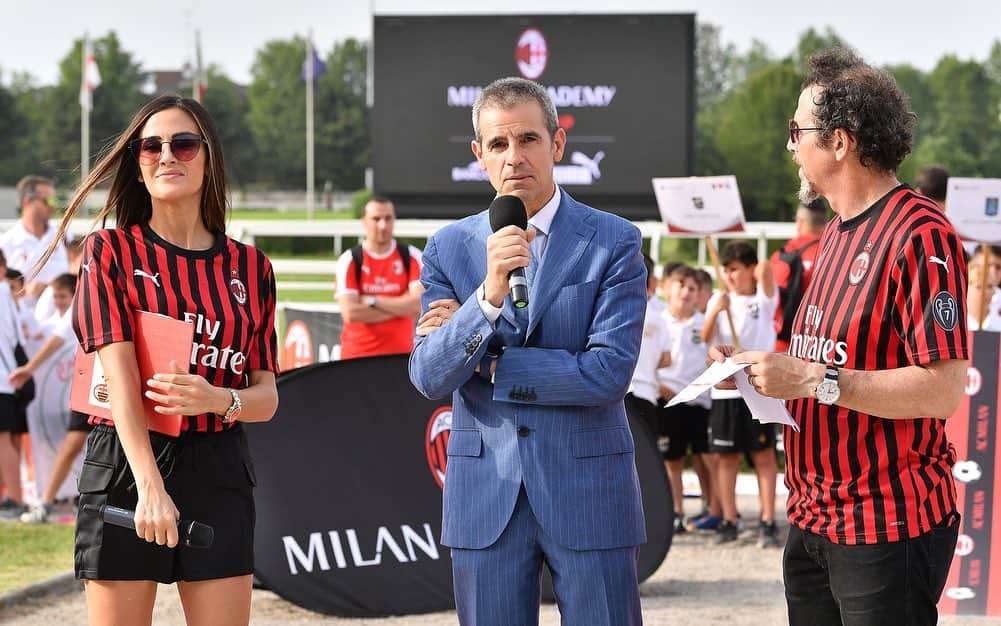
(543, 220)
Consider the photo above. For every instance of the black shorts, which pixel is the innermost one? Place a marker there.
(685, 426)
(210, 478)
(79, 422)
(645, 412)
(9, 415)
(733, 430)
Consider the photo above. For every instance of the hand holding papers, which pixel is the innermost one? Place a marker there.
(764, 409)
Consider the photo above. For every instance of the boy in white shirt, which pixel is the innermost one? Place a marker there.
(685, 425)
(751, 300)
(641, 399)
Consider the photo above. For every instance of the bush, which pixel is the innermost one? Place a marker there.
(358, 201)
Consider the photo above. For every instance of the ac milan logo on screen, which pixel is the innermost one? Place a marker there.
(973, 381)
(859, 267)
(436, 443)
(964, 545)
(239, 290)
(298, 346)
(531, 54)
(101, 393)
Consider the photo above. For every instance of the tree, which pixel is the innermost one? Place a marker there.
(228, 105)
(343, 148)
(812, 41)
(115, 102)
(277, 115)
(914, 83)
(752, 135)
(13, 127)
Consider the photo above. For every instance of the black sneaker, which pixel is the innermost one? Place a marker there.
(768, 535)
(11, 511)
(725, 532)
(679, 524)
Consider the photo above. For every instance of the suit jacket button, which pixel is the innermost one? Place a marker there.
(523, 431)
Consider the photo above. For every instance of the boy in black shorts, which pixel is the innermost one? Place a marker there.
(751, 301)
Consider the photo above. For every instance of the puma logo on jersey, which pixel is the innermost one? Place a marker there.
(153, 277)
(86, 266)
(945, 263)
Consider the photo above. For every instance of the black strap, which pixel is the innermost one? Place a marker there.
(358, 257)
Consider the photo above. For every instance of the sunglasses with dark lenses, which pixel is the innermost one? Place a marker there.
(795, 132)
(184, 147)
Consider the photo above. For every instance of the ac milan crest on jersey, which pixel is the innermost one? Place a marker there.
(859, 267)
(436, 442)
(239, 290)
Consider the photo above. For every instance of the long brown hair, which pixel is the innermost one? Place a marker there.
(129, 199)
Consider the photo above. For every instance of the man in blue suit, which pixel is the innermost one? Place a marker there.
(540, 456)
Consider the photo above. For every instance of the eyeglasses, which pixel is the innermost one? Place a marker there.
(795, 131)
(184, 146)
(50, 201)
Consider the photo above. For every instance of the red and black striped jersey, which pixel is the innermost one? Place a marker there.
(227, 291)
(888, 291)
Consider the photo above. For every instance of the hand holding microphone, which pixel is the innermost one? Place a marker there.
(190, 534)
(508, 252)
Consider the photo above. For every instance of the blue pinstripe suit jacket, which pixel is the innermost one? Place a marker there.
(563, 371)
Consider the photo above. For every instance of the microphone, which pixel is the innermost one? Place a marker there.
(190, 534)
(510, 211)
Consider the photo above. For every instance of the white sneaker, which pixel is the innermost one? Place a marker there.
(37, 514)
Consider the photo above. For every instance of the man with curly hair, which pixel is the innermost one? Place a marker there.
(876, 363)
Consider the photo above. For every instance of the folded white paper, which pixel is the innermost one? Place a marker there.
(764, 409)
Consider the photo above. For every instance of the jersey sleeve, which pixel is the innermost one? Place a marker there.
(263, 353)
(100, 311)
(928, 283)
(347, 281)
(415, 266)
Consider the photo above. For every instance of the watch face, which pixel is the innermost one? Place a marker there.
(828, 392)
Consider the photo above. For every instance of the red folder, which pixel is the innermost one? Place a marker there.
(158, 340)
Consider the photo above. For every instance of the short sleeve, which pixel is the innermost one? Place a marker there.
(101, 314)
(347, 281)
(928, 284)
(264, 347)
(416, 262)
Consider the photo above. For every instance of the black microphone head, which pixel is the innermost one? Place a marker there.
(508, 211)
(196, 535)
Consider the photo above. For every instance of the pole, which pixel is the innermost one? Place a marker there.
(309, 126)
(85, 102)
(985, 252)
(719, 277)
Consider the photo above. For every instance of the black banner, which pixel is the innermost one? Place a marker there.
(348, 498)
(311, 336)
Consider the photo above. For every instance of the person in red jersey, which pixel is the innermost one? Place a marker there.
(792, 267)
(379, 288)
(877, 361)
(169, 254)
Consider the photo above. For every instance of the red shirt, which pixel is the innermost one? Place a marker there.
(888, 291)
(780, 274)
(381, 275)
(228, 291)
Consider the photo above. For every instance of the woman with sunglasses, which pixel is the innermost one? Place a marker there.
(170, 255)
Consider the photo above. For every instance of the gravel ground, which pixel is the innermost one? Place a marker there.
(737, 585)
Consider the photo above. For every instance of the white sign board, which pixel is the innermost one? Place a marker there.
(972, 207)
(701, 205)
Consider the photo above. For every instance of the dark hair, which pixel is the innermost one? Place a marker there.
(704, 278)
(816, 212)
(64, 281)
(739, 251)
(15, 276)
(129, 199)
(377, 200)
(683, 273)
(932, 181)
(648, 262)
(865, 102)
(995, 251)
(670, 267)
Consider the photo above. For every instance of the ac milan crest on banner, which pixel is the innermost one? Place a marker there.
(349, 511)
(974, 583)
(311, 336)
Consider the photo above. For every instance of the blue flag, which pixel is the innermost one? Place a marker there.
(319, 66)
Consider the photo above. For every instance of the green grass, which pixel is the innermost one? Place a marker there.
(305, 295)
(30, 553)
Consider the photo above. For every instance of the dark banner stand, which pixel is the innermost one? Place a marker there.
(311, 336)
(348, 499)
(974, 583)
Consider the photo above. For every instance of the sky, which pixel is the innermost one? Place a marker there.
(38, 34)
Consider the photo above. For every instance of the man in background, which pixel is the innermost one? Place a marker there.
(792, 266)
(378, 288)
(26, 241)
(932, 181)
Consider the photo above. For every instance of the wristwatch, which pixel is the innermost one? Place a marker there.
(234, 410)
(828, 391)
(370, 301)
